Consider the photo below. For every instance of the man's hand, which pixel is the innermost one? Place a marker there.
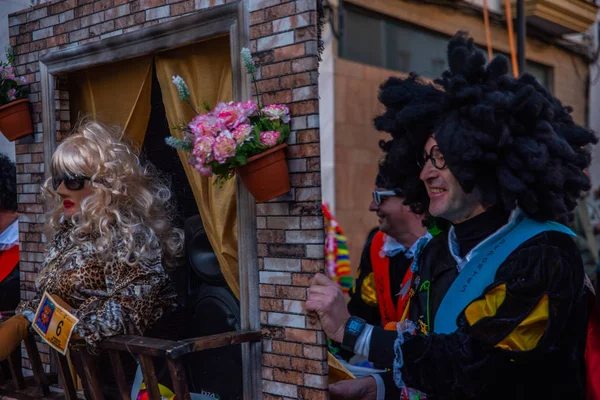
(354, 389)
(325, 298)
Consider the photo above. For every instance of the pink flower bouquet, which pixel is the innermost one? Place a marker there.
(11, 87)
(223, 139)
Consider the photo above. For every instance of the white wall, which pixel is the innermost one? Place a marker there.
(594, 107)
(493, 5)
(327, 116)
(8, 7)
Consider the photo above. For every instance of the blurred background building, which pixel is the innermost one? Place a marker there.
(366, 41)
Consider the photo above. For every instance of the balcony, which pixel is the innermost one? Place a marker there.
(559, 17)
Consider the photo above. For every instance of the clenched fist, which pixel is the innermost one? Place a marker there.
(325, 298)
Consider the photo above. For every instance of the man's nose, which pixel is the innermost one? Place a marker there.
(373, 206)
(428, 172)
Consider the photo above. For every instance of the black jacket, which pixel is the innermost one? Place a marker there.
(477, 362)
(366, 305)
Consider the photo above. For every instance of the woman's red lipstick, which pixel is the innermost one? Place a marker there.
(68, 203)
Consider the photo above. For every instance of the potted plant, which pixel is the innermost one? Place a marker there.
(15, 119)
(238, 138)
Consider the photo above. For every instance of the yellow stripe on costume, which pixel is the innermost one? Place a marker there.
(368, 294)
(487, 306)
(524, 337)
(528, 334)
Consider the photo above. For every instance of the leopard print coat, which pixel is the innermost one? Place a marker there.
(109, 297)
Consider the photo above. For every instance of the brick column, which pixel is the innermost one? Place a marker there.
(284, 41)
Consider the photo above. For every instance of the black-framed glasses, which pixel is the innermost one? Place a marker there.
(380, 195)
(71, 182)
(436, 157)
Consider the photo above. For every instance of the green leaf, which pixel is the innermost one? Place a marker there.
(180, 144)
(241, 159)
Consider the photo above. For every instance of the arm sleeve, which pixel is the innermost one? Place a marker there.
(386, 388)
(521, 314)
(363, 298)
(137, 297)
(29, 307)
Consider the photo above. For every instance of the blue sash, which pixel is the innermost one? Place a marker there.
(480, 271)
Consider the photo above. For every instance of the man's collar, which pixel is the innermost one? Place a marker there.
(454, 246)
(392, 247)
(10, 236)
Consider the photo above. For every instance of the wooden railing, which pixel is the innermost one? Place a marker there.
(146, 349)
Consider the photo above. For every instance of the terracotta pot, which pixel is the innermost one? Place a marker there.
(266, 175)
(15, 120)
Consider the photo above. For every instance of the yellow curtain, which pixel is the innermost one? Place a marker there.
(206, 68)
(115, 94)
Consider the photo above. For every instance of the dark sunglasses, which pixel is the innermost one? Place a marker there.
(71, 183)
(380, 195)
(436, 157)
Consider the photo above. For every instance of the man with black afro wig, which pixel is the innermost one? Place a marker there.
(500, 302)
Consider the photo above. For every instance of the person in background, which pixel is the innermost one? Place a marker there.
(378, 296)
(9, 242)
(583, 226)
(9, 236)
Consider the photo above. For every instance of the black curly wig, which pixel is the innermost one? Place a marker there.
(508, 137)
(8, 184)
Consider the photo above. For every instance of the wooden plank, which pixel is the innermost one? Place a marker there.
(117, 364)
(179, 378)
(66, 379)
(170, 349)
(14, 363)
(140, 345)
(251, 363)
(90, 371)
(36, 365)
(222, 340)
(150, 377)
(48, 115)
(211, 22)
(247, 228)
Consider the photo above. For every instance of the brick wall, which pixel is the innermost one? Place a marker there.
(290, 228)
(290, 236)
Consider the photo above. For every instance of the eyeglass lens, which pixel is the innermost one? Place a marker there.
(436, 157)
(70, 182)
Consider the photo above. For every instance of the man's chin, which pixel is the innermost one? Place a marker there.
(436, 211)
(383, 228)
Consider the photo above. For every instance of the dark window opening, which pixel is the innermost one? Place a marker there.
(379, 40)
(165, 158)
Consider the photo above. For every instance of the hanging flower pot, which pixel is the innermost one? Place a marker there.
(266, 175)
(240, 138)
(15, 120)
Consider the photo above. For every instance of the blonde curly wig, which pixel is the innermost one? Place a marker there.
(131, 203)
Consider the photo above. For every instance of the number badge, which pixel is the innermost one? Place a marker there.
(54, 324)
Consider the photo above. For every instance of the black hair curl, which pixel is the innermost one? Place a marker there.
(509, 138)
(8, 184)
